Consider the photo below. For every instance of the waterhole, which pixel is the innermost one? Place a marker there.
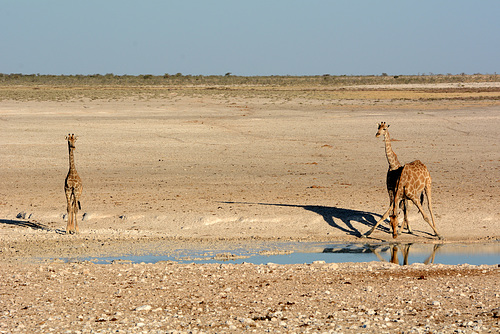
(309, 252)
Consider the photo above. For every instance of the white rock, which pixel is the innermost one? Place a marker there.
(246, 321)
(143, 308)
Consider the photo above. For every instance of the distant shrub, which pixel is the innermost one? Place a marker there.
(231, 80)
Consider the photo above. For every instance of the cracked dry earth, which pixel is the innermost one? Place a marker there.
(169, 297)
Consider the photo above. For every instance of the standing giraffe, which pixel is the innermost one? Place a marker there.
(393, 174)
(73, 188)
(413, 182)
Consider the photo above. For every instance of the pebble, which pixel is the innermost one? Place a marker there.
(370, 312)
(185, 299)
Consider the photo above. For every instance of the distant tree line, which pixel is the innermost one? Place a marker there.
(230, 79)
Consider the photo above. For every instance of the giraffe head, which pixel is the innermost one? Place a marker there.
(71, 138)
(382, 129)
(394, 224)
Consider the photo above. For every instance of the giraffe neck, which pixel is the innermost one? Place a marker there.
(392, 158)
(71, 160)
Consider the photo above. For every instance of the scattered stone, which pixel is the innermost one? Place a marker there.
(24, 215)
(143, 308)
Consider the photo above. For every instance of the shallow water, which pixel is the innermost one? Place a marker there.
(307, 252)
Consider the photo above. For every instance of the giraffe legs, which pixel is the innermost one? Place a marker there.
(77, 230)
(426, 218)
(405, 221)
(386, 214)
(72, 209)
(71, 222)
(76, 205)
(75, 223)
(429, 204)
(69, 209)
(72, 226)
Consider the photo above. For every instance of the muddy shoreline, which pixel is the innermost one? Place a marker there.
(43, 246)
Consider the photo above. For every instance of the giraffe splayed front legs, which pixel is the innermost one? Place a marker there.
(72, 188)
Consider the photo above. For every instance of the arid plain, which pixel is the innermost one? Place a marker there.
(215, 166)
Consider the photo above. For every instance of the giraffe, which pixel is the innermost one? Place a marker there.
(392, 178)
(72, 188)
(414, 181)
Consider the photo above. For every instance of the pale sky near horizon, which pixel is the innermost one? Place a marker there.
(272, 37)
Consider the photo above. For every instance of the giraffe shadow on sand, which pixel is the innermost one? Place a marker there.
(29, 224)
(331, 215)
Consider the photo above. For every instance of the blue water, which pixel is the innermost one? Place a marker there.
(451, 254)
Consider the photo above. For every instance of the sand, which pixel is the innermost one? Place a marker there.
(209, 169)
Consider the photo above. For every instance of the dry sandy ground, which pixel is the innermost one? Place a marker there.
(203, 170)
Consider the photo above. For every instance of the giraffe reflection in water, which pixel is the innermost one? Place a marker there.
(395, 249)
(405, 251)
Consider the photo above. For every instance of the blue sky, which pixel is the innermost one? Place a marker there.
(271, 37)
